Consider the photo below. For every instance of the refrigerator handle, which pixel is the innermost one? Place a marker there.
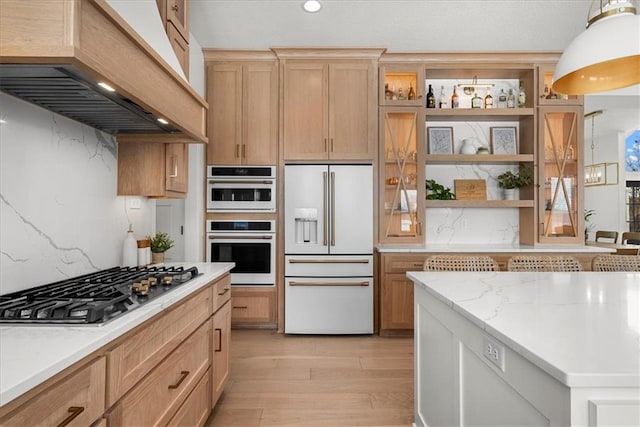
(324, 209)
(333, 209)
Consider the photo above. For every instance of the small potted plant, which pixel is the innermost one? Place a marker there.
(160, 243)
(510, 181)
(437, 191)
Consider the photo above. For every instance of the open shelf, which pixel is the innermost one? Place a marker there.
(478, 158)
(477, 114)
(479, 203)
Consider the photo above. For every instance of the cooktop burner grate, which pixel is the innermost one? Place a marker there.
(94, 298)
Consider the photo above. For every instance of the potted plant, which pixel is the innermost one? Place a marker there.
(160, 243)
(509, 181)
(437, 191)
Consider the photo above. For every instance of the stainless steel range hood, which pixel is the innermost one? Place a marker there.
(55, 52)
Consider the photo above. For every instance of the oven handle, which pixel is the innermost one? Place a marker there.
(328, 283)
(328, 261)
(240, 237)
(241, 181)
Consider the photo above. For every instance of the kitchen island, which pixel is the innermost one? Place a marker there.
(527, 348)
(35, 359)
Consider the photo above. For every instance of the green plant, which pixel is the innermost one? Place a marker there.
(161, 242)
(437, 191)
(588, 213)
(519, 179)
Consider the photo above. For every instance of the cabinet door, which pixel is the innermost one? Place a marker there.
(177, 13)
(305, 111)
(561, 187)
(176, 167)
(224, 92)
(260, 114)
(402, 180)
(352, 111)
(221, 345)
(394, 77)
(396, 310)
(253, 306)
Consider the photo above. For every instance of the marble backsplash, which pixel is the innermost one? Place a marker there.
(59, 213)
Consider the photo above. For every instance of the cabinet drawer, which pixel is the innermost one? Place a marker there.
(249, 306)
(221, 292)
(402, 264)
(195, 411)
(78, 398)
(156, 399)
(143, 349)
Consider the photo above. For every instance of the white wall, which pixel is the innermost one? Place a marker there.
(59, 213)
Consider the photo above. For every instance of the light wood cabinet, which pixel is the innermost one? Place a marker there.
(156, 399)
(221, 347)
(175, 17)
(253, 307)
(243, 112)
(133, 358)
(195, 411)
(76, 400)
(329, 109)
(152, 169)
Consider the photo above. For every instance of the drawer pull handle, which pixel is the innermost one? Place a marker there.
(328, 261)
(240, 306)
(74, 411)
(224, 292)
(292, 283)
(418, 265)
(219, 342)
(184, 375)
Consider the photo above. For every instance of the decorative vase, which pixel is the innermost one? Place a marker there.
(469, 146)
(510, 193)
(157, 257)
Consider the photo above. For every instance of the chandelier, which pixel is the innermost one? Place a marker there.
(599, 174)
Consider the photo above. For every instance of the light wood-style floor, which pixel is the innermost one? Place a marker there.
(286, 380)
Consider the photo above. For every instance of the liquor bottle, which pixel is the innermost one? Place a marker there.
(522, 96)
(444, 99)
(511, 99)
(388, 95)
(400, 95)
(455, 103)
(502, 99)
(488, 100)
(411, 95)
(476, 101)
(431, 99)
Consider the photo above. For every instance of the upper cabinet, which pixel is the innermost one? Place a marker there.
(175, 17)
(546, 95)
(329, 103)
(243, 118)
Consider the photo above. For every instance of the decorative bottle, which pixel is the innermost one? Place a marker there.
(431, 99)
(511, 99)
(444, 99)
(400, 94)
(488, 100)
(455, 103)
(129, 250)
(502, 99)
(522, 96)
(476, 101)
(411, 95)
(387, 92)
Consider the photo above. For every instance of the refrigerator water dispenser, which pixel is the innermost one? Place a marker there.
(306, 225)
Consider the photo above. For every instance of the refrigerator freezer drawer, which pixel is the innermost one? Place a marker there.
(328, 266)
(335, 305)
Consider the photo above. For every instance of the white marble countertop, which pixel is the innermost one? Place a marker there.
(30, 355)
(428, 248)
(581, 328)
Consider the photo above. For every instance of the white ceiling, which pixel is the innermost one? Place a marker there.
(410, 26)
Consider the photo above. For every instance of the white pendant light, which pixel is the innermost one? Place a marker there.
(312, 6)
(605, 56)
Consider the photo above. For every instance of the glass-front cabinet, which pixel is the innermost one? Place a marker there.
(560, 179)
(402, 176)
(402, 84)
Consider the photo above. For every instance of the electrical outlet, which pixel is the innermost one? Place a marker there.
(494, 352)
(134, 202)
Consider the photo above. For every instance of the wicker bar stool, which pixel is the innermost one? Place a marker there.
(543, 263)
(460, 263)
(616, 263)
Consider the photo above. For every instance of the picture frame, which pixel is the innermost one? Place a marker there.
(440, 140)
(504, 140)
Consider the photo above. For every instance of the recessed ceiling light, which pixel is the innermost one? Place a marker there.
(312, 6)
(106, 86)
(163, 121)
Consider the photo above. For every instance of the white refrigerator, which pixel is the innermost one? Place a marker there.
(328, 249)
